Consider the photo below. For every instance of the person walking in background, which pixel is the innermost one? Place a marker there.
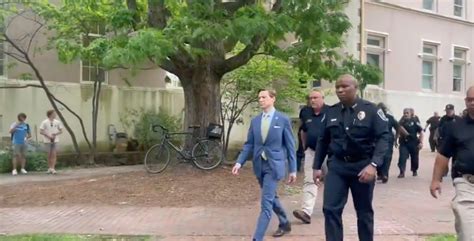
(271, 142)
(410, 142)
(305, 113)
(433, 123)
(312, 127)
(356, 135)
(459, 142)
(384, 170)
(20, 133)
(444, 123)
(50, 129)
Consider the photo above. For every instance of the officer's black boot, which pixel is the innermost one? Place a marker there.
(402, 175)
(415, 173)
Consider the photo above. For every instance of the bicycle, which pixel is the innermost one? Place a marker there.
(206, 154)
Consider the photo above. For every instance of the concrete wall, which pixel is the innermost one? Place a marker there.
(114, 101)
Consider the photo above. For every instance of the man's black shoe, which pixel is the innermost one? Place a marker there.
(282, 230)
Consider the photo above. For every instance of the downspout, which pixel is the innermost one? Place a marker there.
(362, 32)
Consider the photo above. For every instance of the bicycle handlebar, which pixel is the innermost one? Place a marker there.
(154, 128)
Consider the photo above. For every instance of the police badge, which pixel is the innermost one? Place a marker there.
(361, 115)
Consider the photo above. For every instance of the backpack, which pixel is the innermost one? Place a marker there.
(27, 130)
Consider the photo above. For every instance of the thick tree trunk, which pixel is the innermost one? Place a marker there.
(202, 100)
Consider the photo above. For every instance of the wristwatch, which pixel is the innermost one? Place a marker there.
(373, 164)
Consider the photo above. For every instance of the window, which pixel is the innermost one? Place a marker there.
(459, 68)
(429, 66)
(459, 8)
(376, 51)
(429, 5)
(316, 83)
(92, 72)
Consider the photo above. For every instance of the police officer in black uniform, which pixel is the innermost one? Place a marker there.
(459, 142)
(383, 171)
(410, 143)
(305, 113)
(356, 134)
(445, 121)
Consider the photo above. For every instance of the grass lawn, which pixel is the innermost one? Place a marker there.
(444, 237)
(68, 237)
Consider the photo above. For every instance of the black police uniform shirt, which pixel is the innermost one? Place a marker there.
(433, 122)
(459, 142)
(357, 133)
(305, 113)
(392, 124)
(413, 127)
(312, 126)
(444, 122)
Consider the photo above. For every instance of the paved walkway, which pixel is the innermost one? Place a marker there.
(404, 211)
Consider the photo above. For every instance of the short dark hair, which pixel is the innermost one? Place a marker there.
(21, 115)
(50, 112)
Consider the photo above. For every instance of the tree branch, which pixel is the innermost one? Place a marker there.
(243, 57)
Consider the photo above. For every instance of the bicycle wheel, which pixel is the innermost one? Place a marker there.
(157, 158)
(207, 154)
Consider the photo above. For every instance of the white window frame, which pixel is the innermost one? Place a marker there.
(430, 57)
(382, 51)
(435, 6)
(463, 62)
(81, 62)
(462, 6)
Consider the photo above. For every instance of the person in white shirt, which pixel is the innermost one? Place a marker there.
(50, 129)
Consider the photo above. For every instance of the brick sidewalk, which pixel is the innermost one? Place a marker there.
(404, 211)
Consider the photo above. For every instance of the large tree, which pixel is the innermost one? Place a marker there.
(196, 40)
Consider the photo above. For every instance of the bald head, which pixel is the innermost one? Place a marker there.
(349, 78)
(470, 101)
(346, 89)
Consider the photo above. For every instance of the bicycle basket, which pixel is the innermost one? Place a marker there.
(214, 131)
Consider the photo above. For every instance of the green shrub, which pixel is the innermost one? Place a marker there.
(141, 122)
(35, 161)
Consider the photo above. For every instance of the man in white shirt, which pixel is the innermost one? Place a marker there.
(50, 129)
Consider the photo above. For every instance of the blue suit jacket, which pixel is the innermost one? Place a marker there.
(279, 146)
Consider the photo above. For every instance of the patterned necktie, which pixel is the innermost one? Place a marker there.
(265, 127)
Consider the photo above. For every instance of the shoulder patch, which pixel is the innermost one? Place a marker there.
(382, 115)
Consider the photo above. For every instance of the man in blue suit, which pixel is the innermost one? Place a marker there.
(271, 142)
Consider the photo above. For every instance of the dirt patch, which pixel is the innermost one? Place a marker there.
(179, 186)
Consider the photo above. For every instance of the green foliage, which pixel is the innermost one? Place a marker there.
(70, 237)
(264, 72)
(35, 161)
(444, 237)
(141, 122)
(191, 30)
(366, 74)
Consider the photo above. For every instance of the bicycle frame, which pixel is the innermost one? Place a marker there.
(180, 151)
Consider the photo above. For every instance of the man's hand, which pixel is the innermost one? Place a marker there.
(435, 188)
(367, 174)
(236, 169)
(420, 146)
(292, 178)
(317, 175)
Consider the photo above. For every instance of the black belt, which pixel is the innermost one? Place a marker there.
(352, 158)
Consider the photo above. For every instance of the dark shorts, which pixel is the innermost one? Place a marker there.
(20, 149)
(50, 147)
